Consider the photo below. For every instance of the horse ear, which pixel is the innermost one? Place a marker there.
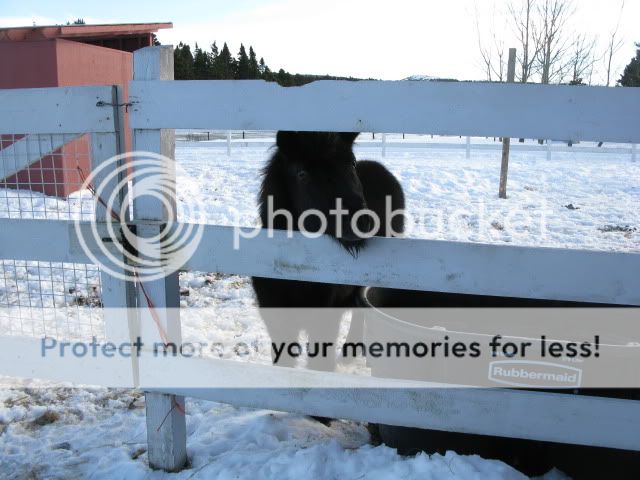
(349, 137)
(287, 140)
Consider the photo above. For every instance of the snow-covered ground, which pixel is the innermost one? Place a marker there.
(577, 200)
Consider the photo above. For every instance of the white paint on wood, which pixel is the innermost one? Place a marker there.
(502, 412)
(166, 430)
(58, 236)
(117, 295)
(55, 110)
(475, 268)
(391, 145)
(547, 273)
(446, 108)
(103, 147)
(22, 357)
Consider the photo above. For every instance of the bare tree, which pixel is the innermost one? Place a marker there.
(492, 51)
(553, 45)
(522, 15)
(582, 59)
(613, 45)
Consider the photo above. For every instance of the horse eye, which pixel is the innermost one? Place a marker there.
(302, 174)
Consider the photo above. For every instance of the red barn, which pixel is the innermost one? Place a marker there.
(60, 56)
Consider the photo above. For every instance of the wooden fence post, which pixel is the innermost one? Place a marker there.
(117, 295)
(506, 142)
(548, 149)
(468, 148)
(384, 145)
(166, 426)
(228, 143)
(633, 152)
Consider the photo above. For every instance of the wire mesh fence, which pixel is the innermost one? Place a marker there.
(41, 177)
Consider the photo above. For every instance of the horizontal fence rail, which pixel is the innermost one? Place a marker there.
(444, 108)
(502, 412)
(417, 264)
(56, 110)
(44, 240)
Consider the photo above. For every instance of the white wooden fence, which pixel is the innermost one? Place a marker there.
(157, 104)
(383, 144)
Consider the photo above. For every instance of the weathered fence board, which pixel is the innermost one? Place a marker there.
(548, 273)
(166, 424)
(446, 108)
(41, 240)
(551, 273)
(502, 412)
(22, 357)
(56, 110)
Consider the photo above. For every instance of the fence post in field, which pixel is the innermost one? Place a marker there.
(548, 149)
(468, 148)
(634, 149)
(166, 427)
(228, 143)
(384, 144)
(504, 166)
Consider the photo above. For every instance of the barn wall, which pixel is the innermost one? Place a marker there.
(28, 64)
(85, 64)
(59, 62)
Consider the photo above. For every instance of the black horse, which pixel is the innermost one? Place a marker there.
(315, 171)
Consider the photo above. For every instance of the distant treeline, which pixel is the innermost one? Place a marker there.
(219, 64)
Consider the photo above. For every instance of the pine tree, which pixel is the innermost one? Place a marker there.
(201, 70)
(268, 74)
(262, 67)
(243, 70)
(631, 75)
(254, 69)
(182, 62)
(213, 59)
(224, 65)
(283, 78)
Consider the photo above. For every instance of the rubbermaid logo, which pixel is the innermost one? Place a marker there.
(521, 373)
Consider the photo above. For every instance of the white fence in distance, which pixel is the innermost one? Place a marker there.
(235, 141)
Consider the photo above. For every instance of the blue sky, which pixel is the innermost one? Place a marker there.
(365, 38)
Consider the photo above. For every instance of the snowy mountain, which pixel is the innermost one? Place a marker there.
(420, 77)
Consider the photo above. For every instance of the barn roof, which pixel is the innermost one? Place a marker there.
(80, 32)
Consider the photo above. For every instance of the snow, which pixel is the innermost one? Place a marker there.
(420, 77)
(100, 433)
(442, 186)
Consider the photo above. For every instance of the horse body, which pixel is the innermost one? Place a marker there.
(311, 171)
